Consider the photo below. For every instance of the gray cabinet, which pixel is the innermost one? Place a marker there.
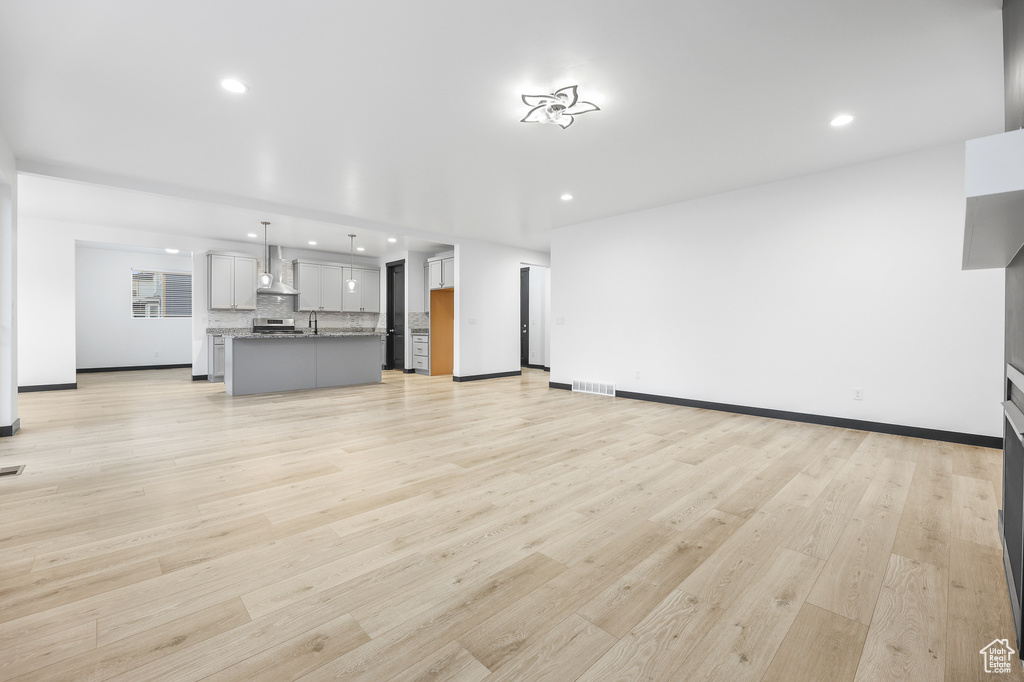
(215, 359)
(421, 353)
(319, 286)
(366, 297)
(441, 273)
(232, 281)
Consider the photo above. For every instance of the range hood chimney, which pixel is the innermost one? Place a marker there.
(278, 287)
(994, 184)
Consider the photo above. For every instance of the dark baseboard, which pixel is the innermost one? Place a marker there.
(47, 387)
(88, 370)
(555, 384)
(10, 430)
(496, 375)
(535, 366)
(547, 369)
(200, 377)
(994, 442)
(408, 371)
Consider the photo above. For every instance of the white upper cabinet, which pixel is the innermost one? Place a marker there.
(441, 273)
(434, 274)
(232, 282)
(366, 297)
(330, 287)
(319, 286)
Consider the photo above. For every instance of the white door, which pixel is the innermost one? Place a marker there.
(370, 283)
(434, 273)
(330, 288)
(221, 282)
(307, 280)
(448, 273)
(245, 283)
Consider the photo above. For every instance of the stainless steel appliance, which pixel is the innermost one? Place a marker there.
(274, 325)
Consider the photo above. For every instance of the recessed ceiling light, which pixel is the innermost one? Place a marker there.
(566, 197)
(312, 243)
(360, 248)
(234, 85)
(171, 250)
(841, 120)
(253, 235)
(392, 240)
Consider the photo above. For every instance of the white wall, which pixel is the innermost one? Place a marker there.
(789, 295)
(540, 340)
(46, 275)
(106, 333)
(487, 306)
(8, 288)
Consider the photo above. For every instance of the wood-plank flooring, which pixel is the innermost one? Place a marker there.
(421, 529)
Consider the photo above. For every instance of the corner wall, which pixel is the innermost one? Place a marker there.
(789, 295)
(487, 307)
(107, 335)
(8, 290)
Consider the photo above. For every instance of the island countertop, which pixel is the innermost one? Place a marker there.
(333, 332)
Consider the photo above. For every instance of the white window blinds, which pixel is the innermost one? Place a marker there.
(161, 294)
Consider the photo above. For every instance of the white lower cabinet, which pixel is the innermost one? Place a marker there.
(215, 359)
(421, 353)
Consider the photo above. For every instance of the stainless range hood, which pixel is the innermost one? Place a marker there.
(994, 185)
(278, 287)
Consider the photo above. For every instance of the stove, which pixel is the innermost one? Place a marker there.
(272, 325)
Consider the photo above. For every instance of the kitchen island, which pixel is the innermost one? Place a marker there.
(268, 363)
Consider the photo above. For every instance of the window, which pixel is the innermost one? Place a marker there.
(161, 294)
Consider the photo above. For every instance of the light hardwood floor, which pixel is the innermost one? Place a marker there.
(422, 529)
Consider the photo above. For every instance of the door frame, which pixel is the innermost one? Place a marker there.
(524, 317)
(389, 315)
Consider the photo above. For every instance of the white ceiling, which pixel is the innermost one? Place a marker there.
(402, 116)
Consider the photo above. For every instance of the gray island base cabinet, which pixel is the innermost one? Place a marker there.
(261, 365)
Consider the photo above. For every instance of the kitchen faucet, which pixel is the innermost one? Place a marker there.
(312, 321)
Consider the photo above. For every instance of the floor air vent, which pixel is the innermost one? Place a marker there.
(11, 471)
(593, 387)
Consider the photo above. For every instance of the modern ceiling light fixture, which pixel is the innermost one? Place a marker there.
(841, 120)
(172, 251)
(350, 283)
(234, 85)
(266, 279)
(559, 107)
(566, 197)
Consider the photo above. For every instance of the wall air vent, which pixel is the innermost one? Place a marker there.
(11, 471)
(593, 387)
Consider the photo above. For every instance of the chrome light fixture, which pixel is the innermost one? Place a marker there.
(266, 279)
(559, 107)
(350, 283)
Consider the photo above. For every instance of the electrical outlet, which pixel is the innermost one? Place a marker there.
(636, 374)
(156, 355)
(858, 394)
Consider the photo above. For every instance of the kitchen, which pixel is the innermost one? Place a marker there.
(255, 346)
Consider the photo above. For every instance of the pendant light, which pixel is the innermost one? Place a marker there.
(350, 283)
(266, 279)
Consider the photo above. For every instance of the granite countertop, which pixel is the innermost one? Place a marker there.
(420, 330)
(333, 332)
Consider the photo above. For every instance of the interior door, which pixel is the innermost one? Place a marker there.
(395, 283)
(524, 316)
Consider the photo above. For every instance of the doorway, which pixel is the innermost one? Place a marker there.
(524, 317)
(394, 354)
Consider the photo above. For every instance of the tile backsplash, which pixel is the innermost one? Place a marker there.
(419, 320)
(274, 305)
